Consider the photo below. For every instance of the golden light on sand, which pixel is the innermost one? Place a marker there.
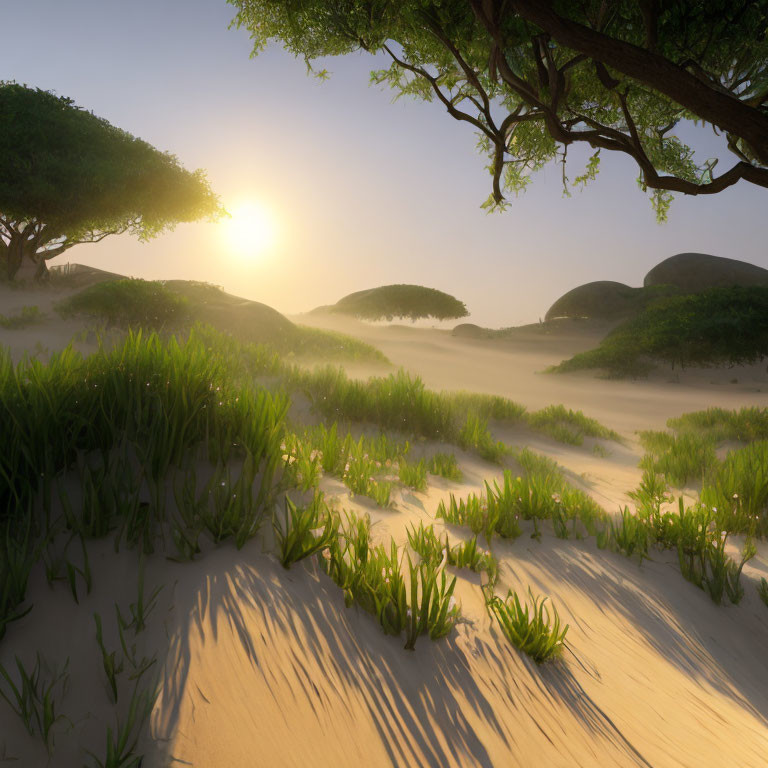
(251, 230)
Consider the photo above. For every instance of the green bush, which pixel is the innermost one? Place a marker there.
(722, 326)
(130, 302)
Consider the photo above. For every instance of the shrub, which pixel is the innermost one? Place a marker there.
(129, 302)
(722, 326)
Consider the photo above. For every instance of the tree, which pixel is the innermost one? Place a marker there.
(536, 76)
(68, 177)
(389, 301)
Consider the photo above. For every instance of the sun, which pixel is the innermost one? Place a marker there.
(251, 229)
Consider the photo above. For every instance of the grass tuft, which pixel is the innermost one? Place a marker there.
(28, 315)
(445, 465)
(531, 629)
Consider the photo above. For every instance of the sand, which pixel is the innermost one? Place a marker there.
(260, 666)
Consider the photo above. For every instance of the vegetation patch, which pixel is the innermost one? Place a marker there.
(539, 494)
(26, 316)
(445, 465)
(737, 490)
(129, 303)
(401, 402)
(719, 424)
(680, 458)
(690, 452)
(722, 326)
(568, 426)
(405, 597)
(179, 304)
(316, 343)
(534, 630)
(403, 301)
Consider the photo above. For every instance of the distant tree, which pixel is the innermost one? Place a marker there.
(390, 301)
(537, 76)
(68, 177)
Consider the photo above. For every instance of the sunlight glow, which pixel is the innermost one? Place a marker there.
(251, 230)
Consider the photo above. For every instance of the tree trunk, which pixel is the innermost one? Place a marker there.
(41, 273)
(14, 255)
(22, 262)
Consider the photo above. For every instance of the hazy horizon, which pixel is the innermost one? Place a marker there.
(363, 192)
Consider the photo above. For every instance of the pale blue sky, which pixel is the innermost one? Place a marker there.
(365, 192)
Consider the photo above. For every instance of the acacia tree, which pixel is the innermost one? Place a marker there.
(537, 76)
(68, 177)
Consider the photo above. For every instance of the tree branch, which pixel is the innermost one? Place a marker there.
(721, 109)
(455, 113)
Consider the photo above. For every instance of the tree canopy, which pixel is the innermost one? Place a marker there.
(69, 177)
(402, 300)
(536, 76)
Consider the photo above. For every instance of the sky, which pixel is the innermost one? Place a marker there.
(362, 191)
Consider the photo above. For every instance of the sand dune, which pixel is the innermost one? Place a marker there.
(278, 672)
(266, 667)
